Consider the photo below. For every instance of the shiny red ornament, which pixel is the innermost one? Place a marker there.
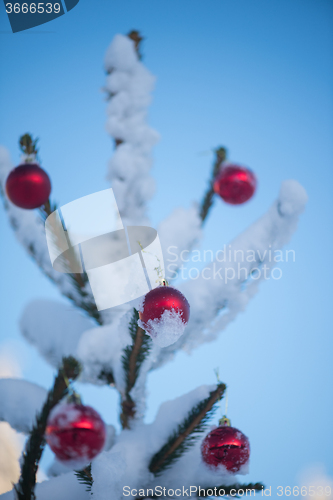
(226, 446)
(164, 298)
(28, 186)
(235, 184)
(75, 433)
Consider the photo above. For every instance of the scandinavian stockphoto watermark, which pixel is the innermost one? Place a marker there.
(227, 264)
(124, 263)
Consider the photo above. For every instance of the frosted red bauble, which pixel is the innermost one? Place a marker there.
(28, 186)
(75, 433)
(226, 446)
(235, 184)
(164, 298)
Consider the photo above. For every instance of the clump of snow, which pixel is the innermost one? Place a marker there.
(109, 473)
(64, 487)
(10, 366)
(120, 54)
(130, 84)
(165, 330)
(54, 328)
(101, 349)
(292, 198)
(20, 402)
(11, 445)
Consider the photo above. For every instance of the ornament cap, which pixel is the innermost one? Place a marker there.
(163, 282)
(225, 421)
(74, 398)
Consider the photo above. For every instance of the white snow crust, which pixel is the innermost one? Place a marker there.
(20, 402)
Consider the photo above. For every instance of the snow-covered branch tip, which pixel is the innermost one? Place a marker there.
(187, 432)
(129, 85)
(25, 487)
(132, 359)
(227, 284)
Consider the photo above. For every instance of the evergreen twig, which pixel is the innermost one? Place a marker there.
(25, 487)
(78, 280)
(187, 432)
(132, 359)
(221, 154)
(84, 476)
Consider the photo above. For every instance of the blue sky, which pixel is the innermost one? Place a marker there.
(255, 76)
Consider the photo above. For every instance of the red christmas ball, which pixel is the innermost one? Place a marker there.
(75, 433)
(164, 298)
(28, 186)
(227, 446)
(235, 184)
(164, 314)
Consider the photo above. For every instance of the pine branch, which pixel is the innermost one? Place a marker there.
(84, 476)
(230, 490)
(221, 154)
(82, 299)
(107, 377)
(137, 39)
(36, 442)
(135, 36)
(78, 280)
(133, 357)
(187, 432)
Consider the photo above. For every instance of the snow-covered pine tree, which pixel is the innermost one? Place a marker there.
(115, 351)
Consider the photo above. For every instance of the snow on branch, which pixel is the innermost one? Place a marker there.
(54, 328)
(34, 447)
(186, 433)
(64, 487)
(30, 232)
(129, 85)
(20, 402)
(28, 228)
(127, 462)
(116, 348)
(133, 357)
(100, 351)
(227, 284)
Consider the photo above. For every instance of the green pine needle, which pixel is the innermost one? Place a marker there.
(84, 476)
(187, 433)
